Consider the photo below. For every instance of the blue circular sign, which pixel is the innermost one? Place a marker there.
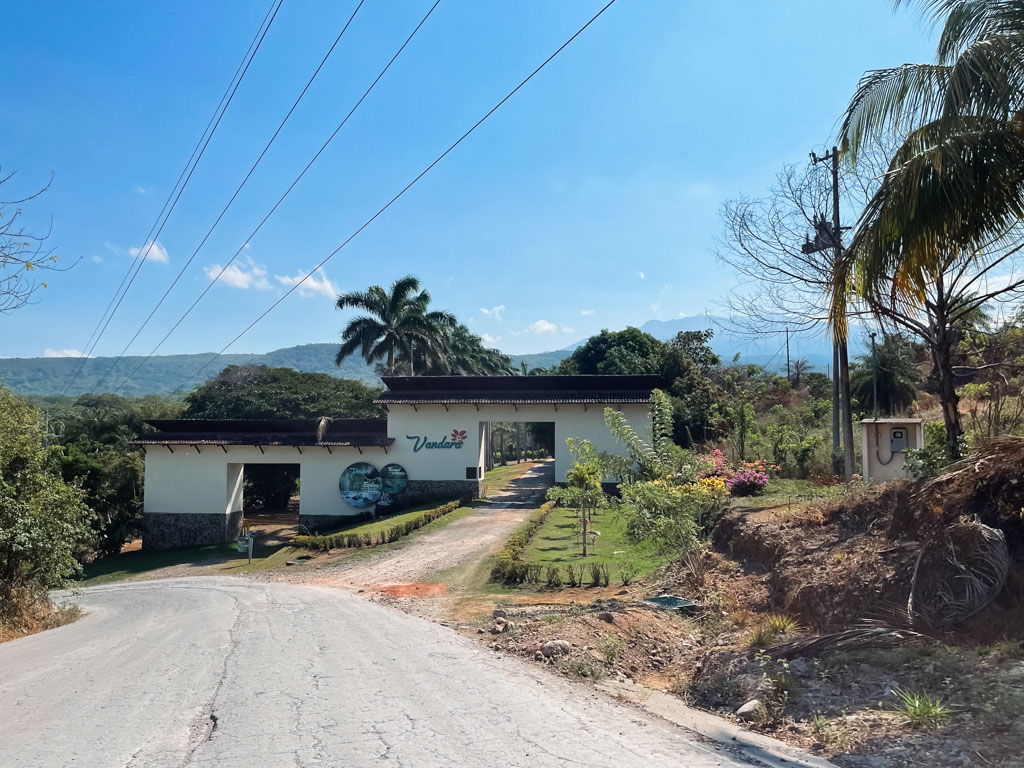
(361, 485)
(395, 478)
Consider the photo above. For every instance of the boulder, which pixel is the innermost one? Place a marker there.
(607, 616)
(499, 613)
(752, 710)
(552, 649)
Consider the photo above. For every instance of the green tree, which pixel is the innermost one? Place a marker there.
(397, 321)
(43, 520)
(627, 352)
(947, 208)
(259, 392)
(801, 367)
(891, 366)
(457, 352)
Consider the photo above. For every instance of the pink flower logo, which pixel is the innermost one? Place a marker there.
(458, 435)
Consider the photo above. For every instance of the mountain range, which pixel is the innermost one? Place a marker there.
(47, 376)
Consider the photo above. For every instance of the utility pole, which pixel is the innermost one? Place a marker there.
(826, 236)
(789, 377)
(874, 375)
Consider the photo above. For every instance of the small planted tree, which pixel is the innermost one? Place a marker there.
(583, 485)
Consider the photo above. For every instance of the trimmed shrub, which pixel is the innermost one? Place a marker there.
(511, 567)
(344, 540)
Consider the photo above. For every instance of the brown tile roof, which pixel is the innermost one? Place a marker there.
(518, 390)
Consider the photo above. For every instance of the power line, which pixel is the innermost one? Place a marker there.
(281, 199)
(394, 199)
(151, 239)
(181, 176)
(233, 197)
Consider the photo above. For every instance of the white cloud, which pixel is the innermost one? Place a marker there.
(97, 258)
(488, 339)
(154, 251)
(494, 312)
(568, 330)
(63, 353)
(317, 284)
(685, 314)
(640, 274)
(1002, 282)
(586, 312)
(244, 273)
(139, 190)
(656, 307)
(543, 326)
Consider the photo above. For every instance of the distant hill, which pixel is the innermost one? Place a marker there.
(163, 373)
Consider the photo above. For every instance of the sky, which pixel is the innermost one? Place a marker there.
(589, 200)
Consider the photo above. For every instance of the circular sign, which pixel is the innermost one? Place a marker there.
(361, 485)
(395, 478)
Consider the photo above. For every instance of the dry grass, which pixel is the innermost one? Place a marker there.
(25, 613)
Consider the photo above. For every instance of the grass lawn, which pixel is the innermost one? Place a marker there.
(782, 492)
(553, 544)
(499, 477)
(223, 557)
(378, 524)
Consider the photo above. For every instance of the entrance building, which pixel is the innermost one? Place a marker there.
(432, 445)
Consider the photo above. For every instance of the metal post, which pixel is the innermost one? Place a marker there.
(874, 375)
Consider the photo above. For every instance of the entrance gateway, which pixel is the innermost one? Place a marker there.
(432, 445)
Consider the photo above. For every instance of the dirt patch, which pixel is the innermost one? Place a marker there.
(413, 590)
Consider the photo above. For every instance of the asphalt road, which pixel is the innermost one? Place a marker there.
(218, 671)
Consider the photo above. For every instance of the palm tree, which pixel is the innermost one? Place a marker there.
(954, 188)
(457, 352)
(801, 367)
(892, 368)
(398, 321)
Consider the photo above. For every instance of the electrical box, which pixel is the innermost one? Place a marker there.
(898, 440)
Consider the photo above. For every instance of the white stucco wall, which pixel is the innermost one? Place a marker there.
(435, 423)
(209, 480)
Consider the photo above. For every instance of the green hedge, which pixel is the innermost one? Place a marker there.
(511, 566)
(342, 540)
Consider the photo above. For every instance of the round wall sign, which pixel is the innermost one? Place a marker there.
(361, 485)
(395, 478)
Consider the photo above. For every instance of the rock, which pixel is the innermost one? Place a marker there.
(622, 592)
(750, 711)
(480, 631)
(499, 613)
(607, 616)
(801, 667)
(538, 656)
(552, 649)
(499, 627)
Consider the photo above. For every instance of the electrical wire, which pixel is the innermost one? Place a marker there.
(217, 221)
(252, 234)
(394, 199)
(143, 252)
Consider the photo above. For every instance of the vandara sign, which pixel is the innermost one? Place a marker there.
(454, 440)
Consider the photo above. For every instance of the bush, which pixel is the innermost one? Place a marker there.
(628, 572)
(344, 540)
(43, 520)
(511, 567)
(575, 573)
(748, 481)
(554, 577)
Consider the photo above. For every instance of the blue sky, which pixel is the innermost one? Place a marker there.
(589, 201)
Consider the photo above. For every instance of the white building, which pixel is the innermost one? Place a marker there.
(436, 431)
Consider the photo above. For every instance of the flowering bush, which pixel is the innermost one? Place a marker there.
(715, 464)
(748, 481)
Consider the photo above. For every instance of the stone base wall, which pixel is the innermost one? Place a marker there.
(164, 531)
(421, 491)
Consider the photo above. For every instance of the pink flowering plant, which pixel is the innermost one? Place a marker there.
(749, 480)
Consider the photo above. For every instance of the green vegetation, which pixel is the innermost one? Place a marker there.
(403, 336)
(498, 478)
(42, 518)
(379, 531)
(223, 557)
(921, 710)
(557, 543)
(512, 565)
